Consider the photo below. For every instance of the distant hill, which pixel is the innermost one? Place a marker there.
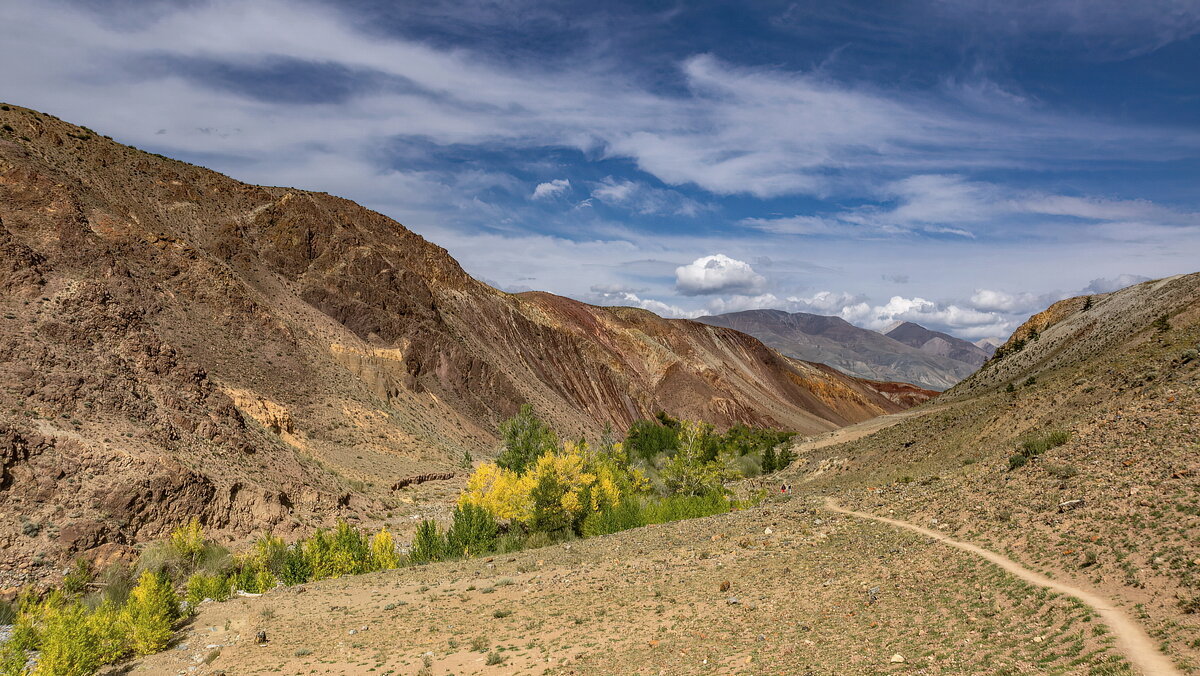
(938, 343)
(988, 345)
(857, 351)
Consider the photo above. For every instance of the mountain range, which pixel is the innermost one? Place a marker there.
(908, 352)
(175, 343)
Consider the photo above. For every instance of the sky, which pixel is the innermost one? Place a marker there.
(958, 163)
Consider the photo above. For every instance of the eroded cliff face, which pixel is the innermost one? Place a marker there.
(177, 343)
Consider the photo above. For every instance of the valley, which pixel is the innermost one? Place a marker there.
(289, 373)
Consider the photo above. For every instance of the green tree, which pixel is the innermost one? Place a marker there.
(689, 472)
(428, 544)
(769, 462)
(526, 438)
(151, 611)
(649, 439)
(473, 531)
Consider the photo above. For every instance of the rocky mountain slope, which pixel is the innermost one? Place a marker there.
(1074, 450)
(176, 343)
(848, 348)
(938, 343)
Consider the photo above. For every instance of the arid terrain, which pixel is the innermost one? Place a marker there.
(793, 586)
(175, 343)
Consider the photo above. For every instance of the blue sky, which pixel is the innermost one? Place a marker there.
(957, 163)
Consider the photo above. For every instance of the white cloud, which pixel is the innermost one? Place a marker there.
(794, 225)
(550, 189)
(717, 274)
(988, 300)
(1110, 284)
(615, 295)
(645, 199)
(951, 318)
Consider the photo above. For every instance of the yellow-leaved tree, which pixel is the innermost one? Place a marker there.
(502, 492)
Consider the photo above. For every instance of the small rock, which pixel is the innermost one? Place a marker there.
(725, 586)
(261, 637)
(732, 600)
(768, 531)
(897, 658)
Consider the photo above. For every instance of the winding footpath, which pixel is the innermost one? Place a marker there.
(1132, 640)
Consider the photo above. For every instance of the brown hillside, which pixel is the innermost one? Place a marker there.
(1115, 509)
(175, 342)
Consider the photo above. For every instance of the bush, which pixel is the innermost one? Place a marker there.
(680, 507)
(1040, 444)
(187, 541)
(150, 613)
(648, 439)
(383, 551)
(689, 472)
(74, 642)
(184, 552)
(76, 582)
(1017, 461)
(1061, 471)
(201, 586)
(628, 514)
(295, 568)
(473, 531)
(428, 544)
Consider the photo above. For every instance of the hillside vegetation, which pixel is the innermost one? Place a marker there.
(1075, 450)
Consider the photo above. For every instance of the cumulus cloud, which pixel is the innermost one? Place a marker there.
(717, 274)
(550, 189)
(951, 318)
(1110, 284)
(988, 300)
(615, 294)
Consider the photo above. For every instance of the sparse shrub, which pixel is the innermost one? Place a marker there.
(1017, 461)
(1010, 388)
(1162, 324)
(1190, 605)
(1030, 381)
(479, 644)
(1061, 471)
(1188, 356)
(501, 614)
(494, 658)
(76, 582)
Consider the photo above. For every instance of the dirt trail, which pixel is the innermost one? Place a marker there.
(1132, 640)
(859, 430)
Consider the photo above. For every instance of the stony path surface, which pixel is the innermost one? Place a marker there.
(1132, 639)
